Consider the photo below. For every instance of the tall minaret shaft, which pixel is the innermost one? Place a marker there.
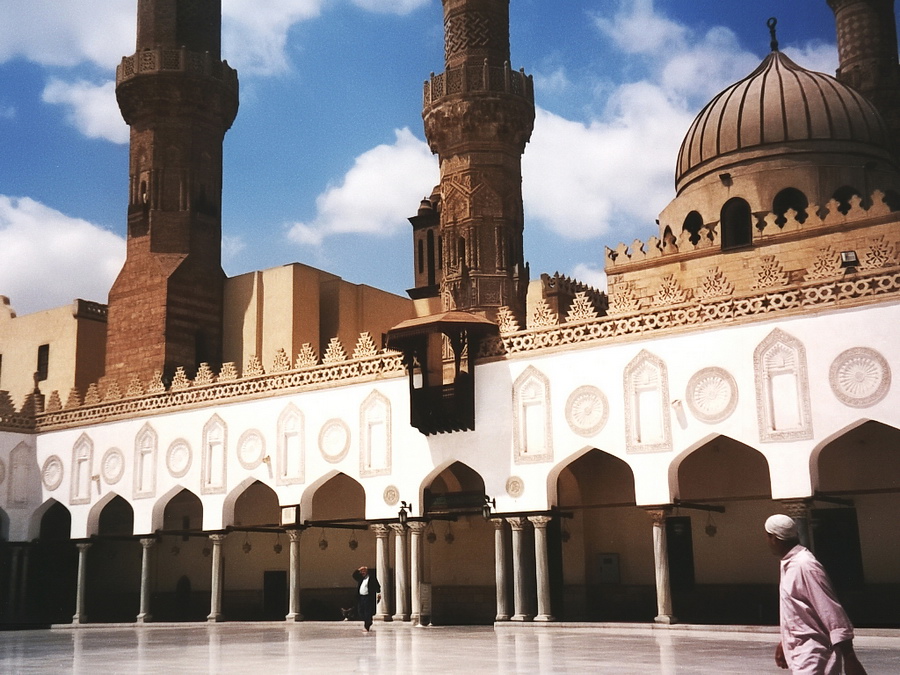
(179, 98)
(479, 114)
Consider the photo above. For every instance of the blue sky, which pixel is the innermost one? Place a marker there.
(327, 158)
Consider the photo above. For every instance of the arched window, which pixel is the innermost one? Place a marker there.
(787, 199)
(736, 223)
(843, 195)
(430, 248)
(421, 256)
(693, 222)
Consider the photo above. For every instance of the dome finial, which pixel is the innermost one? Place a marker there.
(771, 23)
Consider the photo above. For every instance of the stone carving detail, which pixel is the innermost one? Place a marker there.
(507, 321)
(715, 285)
(52, 472)
(156, 385)
(228, 373)
(587, 410)
(180, 381)
(307, 357)
(826, 265)
(178, 458)
(543, 316)
(468, 30)
(860, 377)
(204, 376)
(782, 389)
(532, 427)
(92, 397)
(281, 363)
(214, 457)
(623, 298)
(712, 395)
(515, 487)
(113, 393)
(375, 435)
(54, 403)
(251, 449)
(145, 448)
(334, 440)
(770, 273)
(254, 367)
(112, 466)
(73, 400)
(82, 471)
(648, 427)
(335, 352)
(391, 495)
(135, 388)
(670, 292)
(880, 253)
(365, 346)
(582, 309)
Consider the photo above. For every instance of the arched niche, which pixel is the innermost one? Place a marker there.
(790, 199)
(116, 518)
(457, 487)
(336, 496)
(181, 510)
(737, 224)
(722, 468)
(255, 506)
(55, 522)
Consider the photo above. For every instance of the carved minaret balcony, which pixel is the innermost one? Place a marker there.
(479, 114)
(179, 98)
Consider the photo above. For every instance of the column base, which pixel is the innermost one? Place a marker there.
(501, 617)
(383, 617)
(665, 618)
(401, 617)
(78, 619)
(294, 616)
(144, 617)
(520, 617)
(544, 617)
(215, 618)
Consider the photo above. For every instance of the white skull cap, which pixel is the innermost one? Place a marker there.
(783, 527)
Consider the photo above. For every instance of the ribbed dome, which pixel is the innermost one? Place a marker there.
(778, 104)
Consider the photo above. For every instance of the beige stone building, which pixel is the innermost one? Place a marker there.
(526, 450)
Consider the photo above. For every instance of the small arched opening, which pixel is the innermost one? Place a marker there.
(790, 199)
(737, 224)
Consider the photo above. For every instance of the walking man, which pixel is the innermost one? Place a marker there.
(368, 594)
(816, 634)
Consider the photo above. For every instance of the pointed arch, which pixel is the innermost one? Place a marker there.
(82, 470)
(111, 515)
(375, 435)
(291, 447)
(782, 389)
(252, 504)
(60, 519)
(175, 495)
(214, 457)
(334, 496)
(647, 420)
(22, 475)
(145, 453)
(533, 432)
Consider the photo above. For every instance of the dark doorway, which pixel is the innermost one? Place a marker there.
(680, 546)
(836, 542)
(275, 594)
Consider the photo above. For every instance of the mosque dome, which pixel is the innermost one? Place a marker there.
(780, 109)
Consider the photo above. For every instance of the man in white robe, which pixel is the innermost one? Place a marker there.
(816, 634)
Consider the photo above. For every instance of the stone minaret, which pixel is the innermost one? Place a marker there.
(867, 48)
(478, 117)
(179, 98)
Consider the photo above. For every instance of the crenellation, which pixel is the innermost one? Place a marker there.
(73, 400)
(365, 346)
(204, 376)
(54, 403)
(92, 395)
(335, 352)
(281, 363)
(254, 367)
(306, 357)
(180, 380)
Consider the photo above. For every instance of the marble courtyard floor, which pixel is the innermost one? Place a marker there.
(343, 647)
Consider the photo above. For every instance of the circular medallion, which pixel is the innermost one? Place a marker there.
(113, 465)
(334, 440)
(587, 410)
(712, 395)
(860, 377)
(52, 472)
(515, 487)
(178, 458)
(251, 449)
(391, 495)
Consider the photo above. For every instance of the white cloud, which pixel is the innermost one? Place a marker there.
(7, 112)
(47, 258)
(592, 275)
(377, 195)
(90, 108)
(391, 6)
(817, 56)
(55, 33)
(639, 29)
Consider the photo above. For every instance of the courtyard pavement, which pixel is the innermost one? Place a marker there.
(344, 647)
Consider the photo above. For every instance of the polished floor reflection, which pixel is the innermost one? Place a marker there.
(272, 648)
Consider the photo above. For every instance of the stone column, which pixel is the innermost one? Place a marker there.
(146, 545)
(401, 573)
(520, 584)
(542, 567)
(382, 552)
(80, 588)
(415, 569)
(294, 577)
(798, 510)
(215, 589)
(661, 560)
(501, 571)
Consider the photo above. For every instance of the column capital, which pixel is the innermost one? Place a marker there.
(417, 526)
(658, 514)
(84, 545)
(540, 521)
(294, 535)
(398, 528)
(498, 523)
(795, 508)
(517, 524)
(380, 529)
(217, 538)
(148, 542)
